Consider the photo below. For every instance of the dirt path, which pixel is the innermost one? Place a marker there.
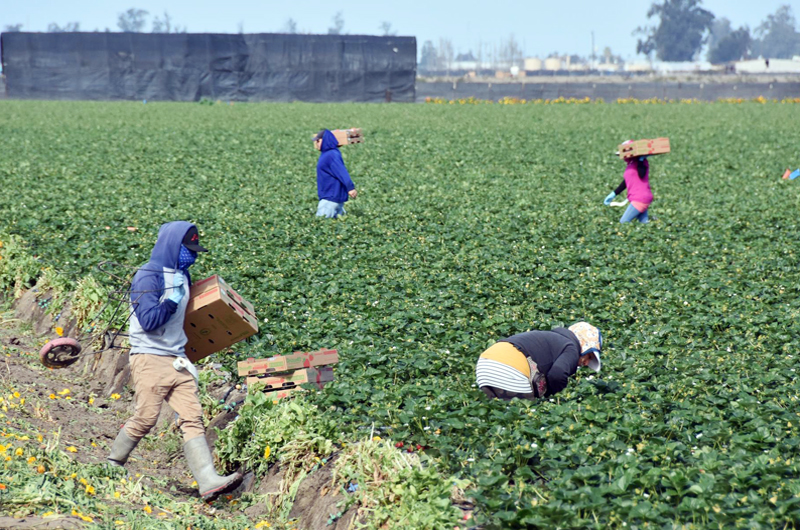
(64, 403)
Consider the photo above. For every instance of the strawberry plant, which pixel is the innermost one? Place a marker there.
(473, 222)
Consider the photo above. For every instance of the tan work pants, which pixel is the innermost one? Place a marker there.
(155, 380)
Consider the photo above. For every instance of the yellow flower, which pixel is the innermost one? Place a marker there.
(64, 392)
(115, 396)
(16, 395)
(148, 509)
(266, 452)
(40, 438)
(116, 495)
(31, 459)
(162, 514)
(19, 451)
(119, 522)
(47, 514)
(22, 401)
(83, 481)
(60, 331)
(376, 438)
(72, 449)
(89, 489)
(52, 396)
(263, 524)
(91, 400)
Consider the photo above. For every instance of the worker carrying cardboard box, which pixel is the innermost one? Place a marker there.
(334, 185)
(160, 370)
(636, 177)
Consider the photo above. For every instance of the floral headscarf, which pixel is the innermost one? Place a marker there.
(591, 341)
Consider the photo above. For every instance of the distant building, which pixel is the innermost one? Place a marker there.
(532, 64)
(465, 61)
(768, 66)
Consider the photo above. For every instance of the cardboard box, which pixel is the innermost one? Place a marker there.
(215, 320)
(323, 374)
(284, 363)
(215, 282)
(348, 136)
(656, 146)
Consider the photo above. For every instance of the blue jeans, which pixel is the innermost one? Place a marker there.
(330, 209)
(632, 213)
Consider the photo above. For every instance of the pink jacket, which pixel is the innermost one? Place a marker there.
(638, 188)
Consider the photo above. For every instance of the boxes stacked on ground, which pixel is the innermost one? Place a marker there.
(657, 146)
(282, 375)
(216, 318)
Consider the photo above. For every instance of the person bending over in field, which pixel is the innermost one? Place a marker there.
(160, 370)
(537, 364)
(637, 179)
(334, 185)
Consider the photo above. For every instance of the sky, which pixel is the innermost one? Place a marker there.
(539, 27)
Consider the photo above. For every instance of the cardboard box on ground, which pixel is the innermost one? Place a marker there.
(217, 317)
(656, 146)
(282, 375)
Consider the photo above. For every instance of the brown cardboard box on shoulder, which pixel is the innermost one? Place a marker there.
(656, 146)
(348, 136)
(216, 318)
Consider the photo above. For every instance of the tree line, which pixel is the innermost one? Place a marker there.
(680, 31)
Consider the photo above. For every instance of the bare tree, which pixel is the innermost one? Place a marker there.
(510, 53)
(12, 28)
(445, 55)
(162, 26)
(386, 28)
(290, 26)
(132, 20)
(69, 26)
(338, 24)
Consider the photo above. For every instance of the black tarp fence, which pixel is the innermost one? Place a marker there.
(610, 92)
(192, 66)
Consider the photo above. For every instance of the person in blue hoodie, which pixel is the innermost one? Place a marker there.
(334, 186)
(160, 370)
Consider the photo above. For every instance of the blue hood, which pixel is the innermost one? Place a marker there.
(328, 141)
(170, 238)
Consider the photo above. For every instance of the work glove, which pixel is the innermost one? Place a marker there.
(178, 290)
(609, 198)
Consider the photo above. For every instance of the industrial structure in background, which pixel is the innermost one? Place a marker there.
(193, 66)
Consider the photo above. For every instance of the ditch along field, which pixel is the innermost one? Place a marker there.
(473, 222)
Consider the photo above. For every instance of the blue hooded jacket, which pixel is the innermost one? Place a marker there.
(333, 180)
(151, 308)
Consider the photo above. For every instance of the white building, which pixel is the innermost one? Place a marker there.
(769, 66)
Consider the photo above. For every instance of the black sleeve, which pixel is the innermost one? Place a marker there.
(564, 366)
(620, 188)
(641, 168)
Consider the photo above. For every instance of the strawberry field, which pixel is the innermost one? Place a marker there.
(472, 223)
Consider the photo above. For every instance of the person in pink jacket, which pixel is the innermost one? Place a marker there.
(637, 180)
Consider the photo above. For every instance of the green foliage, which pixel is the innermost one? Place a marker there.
(680, 31)
(473, 223)
(18, 267)
(777, 35)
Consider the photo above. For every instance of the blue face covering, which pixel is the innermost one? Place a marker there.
(186, 258)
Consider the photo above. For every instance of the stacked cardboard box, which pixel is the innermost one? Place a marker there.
(282, 375)
(656, 146)
(348, 136)
(216, 318)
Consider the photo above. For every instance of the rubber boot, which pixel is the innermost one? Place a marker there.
(121, 449)
(201, 463)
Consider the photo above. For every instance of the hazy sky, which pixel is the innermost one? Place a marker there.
(541, 27)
